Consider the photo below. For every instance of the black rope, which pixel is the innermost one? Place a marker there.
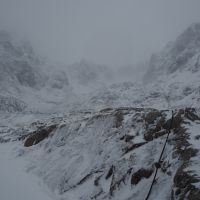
(160, 158)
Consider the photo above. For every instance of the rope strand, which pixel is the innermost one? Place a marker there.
(160, 158)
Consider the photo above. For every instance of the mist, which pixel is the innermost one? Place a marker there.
(111, 32)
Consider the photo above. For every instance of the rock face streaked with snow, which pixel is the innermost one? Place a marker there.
(177, 69)
(111, 154)
(181, 55)
(171, 81)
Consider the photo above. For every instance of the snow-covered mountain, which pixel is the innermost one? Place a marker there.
(181, 55)
(31, 83)
(109, 143)
(19, 65)
(172, 79)
(176, 70)
(25, 81)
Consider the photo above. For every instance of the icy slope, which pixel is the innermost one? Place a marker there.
(112, 154)
(13, 172)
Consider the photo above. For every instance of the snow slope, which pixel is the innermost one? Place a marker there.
(111, 154)
(15, 182)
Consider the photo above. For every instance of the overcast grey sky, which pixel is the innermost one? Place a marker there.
(113, 32)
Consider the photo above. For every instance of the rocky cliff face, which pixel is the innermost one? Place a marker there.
(181, 55)
(176, 70)
(18, 62)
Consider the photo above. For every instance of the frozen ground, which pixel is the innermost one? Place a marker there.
(15, 182)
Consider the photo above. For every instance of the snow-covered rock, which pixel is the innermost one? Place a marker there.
(176, 70)
(112, 154)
